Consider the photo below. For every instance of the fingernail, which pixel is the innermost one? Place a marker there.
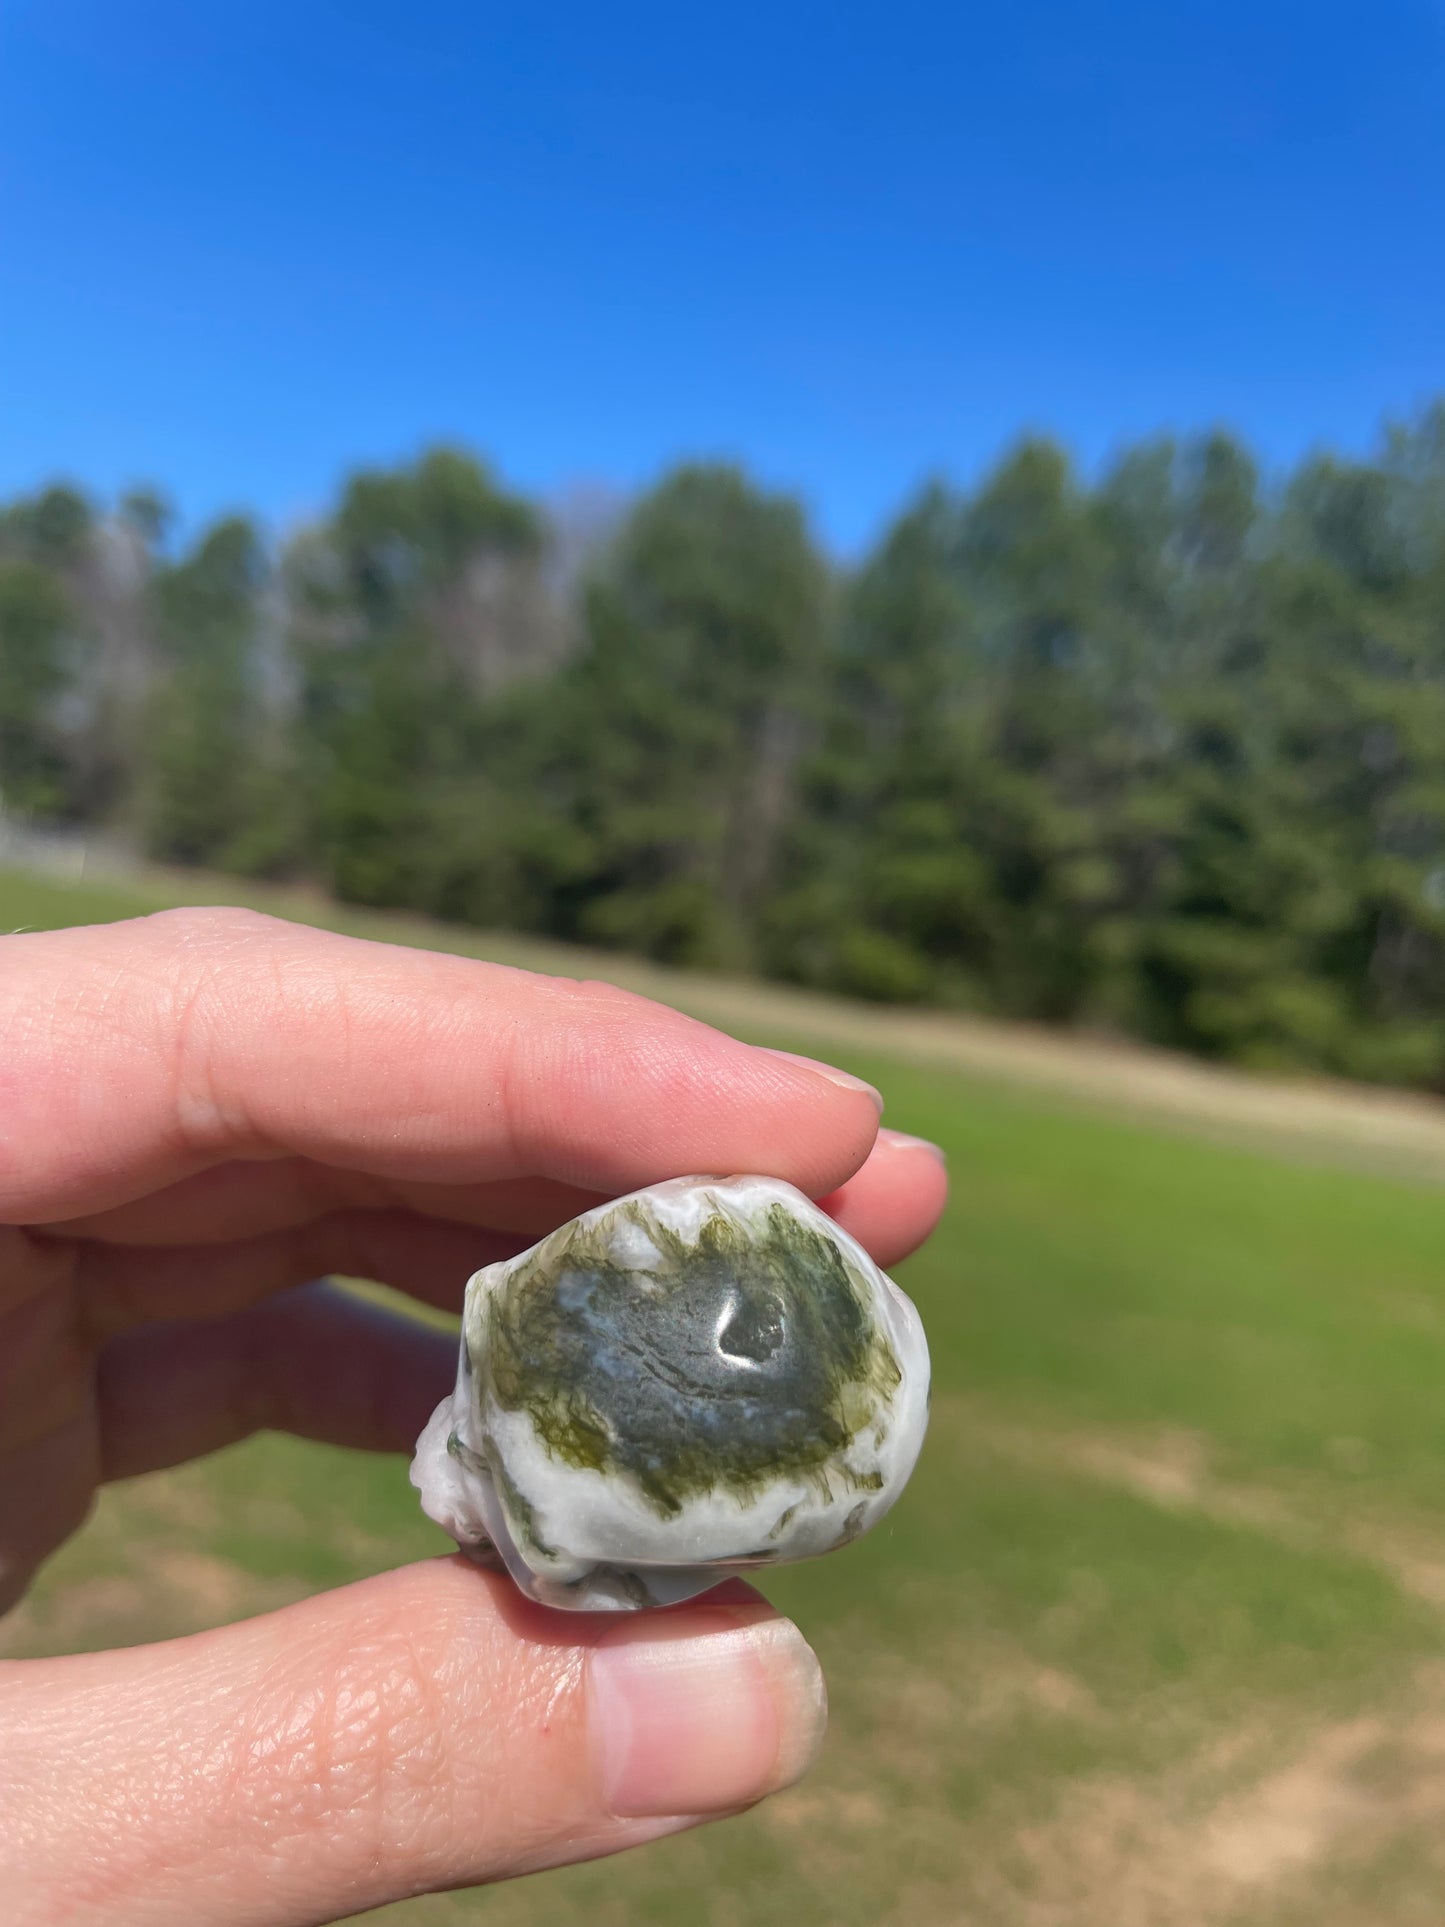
(845, 1080)
(903, 1142)
(690, 1717)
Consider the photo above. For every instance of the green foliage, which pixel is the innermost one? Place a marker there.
(387, 635)
(1163, 754)
(146, 512)
(212, 790)
(687, 714)
(50, 529)
(32, 673)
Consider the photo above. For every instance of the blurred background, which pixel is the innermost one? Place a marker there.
(920, 539)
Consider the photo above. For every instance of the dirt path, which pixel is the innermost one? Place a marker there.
(1396, 1127)
(1392, 1129)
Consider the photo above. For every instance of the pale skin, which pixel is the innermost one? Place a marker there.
(202, 1114)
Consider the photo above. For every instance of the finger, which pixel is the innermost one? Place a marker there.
(137, 1053)
(424, 1730)
(316, 1361)
(123, 1285)
(44, 1364)
(45, 1494)
(892, 1204)
(48, 1451)
(240, 1198)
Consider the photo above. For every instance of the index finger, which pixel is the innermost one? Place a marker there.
(134, 1054)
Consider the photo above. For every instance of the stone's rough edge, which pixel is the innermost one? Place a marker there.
(470, 1507)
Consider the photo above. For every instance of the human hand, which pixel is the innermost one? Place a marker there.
(200, 1112)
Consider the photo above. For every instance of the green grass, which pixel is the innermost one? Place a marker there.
(1154, 1637)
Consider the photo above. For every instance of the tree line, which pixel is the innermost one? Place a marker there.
(1161, 752)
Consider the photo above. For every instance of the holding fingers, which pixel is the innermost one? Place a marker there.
(201, 1111)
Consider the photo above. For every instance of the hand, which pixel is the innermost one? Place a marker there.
(200, 1112)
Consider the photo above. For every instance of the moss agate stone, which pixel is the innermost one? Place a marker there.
(705, 1378)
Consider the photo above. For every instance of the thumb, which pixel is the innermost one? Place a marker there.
(423, 1730)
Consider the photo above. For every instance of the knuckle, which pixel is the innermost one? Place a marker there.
(356, 1750)
(203, 926)
(219, 961)
(614, 1000)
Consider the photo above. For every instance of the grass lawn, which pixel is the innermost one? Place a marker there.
(1156, 1638)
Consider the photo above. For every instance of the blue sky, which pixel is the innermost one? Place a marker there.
(244, 247)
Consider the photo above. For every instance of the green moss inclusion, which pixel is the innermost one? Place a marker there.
(746, 1355)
